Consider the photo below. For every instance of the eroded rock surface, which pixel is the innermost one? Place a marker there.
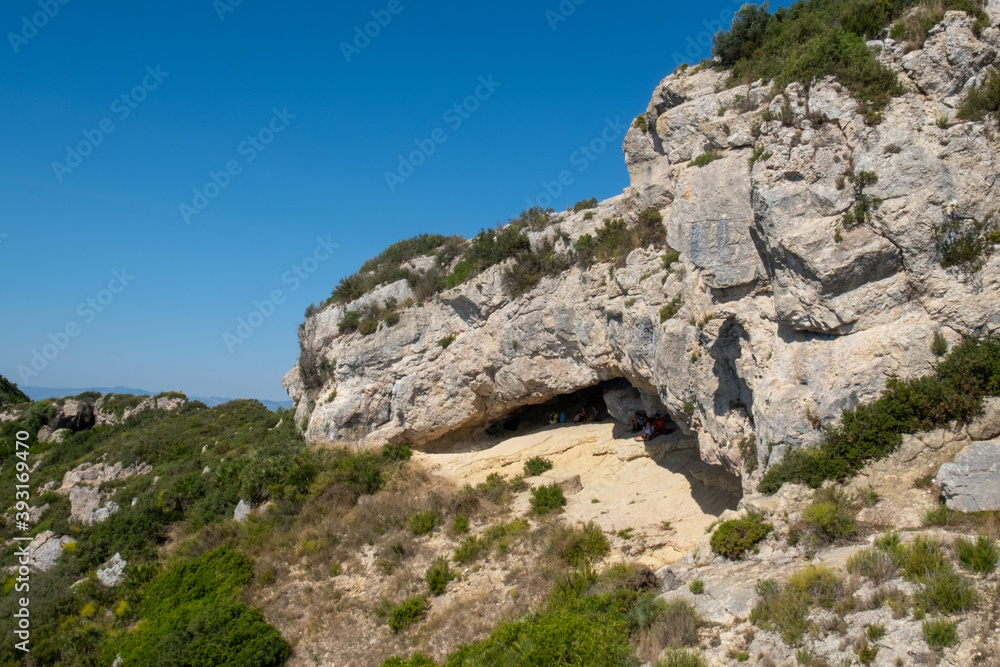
(788, 315)
(972, 482)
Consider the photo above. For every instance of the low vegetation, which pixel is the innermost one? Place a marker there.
(970, 372)
(733, 539)
(536, 465)
(814, 39)
(966, 242)
(545, 499)
(982, 101)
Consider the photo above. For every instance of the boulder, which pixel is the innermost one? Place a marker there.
(242, 511)
(45, 549)
(112, 573)
(972, 482)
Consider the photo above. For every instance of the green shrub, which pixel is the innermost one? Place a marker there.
(461, 524)
(940, 633)
(946, 591)
(669, 310)
(495, 538)
(536, 466)
(438, 577)
(350, 321)
(669, 258)
(939, 346)
(979, 556)
(640, 122)
(368, 326)
(937, 516)
(416, 660)
(828, 515)
(785, 608)
(875, 632)
(545, 499)
(681, 658)
(866, 652)
(585, 204)
(970, 372)
(447, 340)
(920, 557)
(189, 617)
(406, 613)
(965, 242)
(581, 545)
(734, 538)
(531, 267)
(424, 523)
(697, 587)
(981, 101)
(705, 159)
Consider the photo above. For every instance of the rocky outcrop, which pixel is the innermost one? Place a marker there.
(45, 549)
(972, 482)
(788, 314)
(107, 414)
(88, 503)
(112, 573)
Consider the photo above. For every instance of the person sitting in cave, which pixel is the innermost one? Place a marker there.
(554, 418)
(591, 415)
(647, 433)
(581, 416)
(638, 421)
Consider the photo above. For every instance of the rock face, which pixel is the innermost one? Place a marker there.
(83, 486)
(972, 482)
(242, 511)
(787, 314)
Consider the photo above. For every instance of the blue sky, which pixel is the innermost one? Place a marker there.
(307, 130)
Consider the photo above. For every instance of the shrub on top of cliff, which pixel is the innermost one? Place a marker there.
(983, 100)
(385, 267)
(913, 27)
(349, 322)
(491, 247)
(531, 267)
(811, 40)
(733, 539)
(585, 204)
(955, 392)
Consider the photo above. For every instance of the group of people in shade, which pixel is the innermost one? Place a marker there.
(650, 427)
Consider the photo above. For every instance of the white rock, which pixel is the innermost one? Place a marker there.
(112, 573)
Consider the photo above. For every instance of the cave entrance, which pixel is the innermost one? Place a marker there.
(614, 399)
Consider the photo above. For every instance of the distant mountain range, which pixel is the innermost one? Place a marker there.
(39, 393)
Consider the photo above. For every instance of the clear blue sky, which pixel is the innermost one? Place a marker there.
(63, 233)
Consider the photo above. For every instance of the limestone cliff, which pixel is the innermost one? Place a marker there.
(788, 313)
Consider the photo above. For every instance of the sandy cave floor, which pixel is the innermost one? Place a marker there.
(632, 488)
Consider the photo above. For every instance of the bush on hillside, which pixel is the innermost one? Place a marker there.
(733, 539)
(970, 372)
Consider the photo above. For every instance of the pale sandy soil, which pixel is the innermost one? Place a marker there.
(636, 486)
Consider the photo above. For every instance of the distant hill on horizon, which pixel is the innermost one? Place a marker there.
(41, 393)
